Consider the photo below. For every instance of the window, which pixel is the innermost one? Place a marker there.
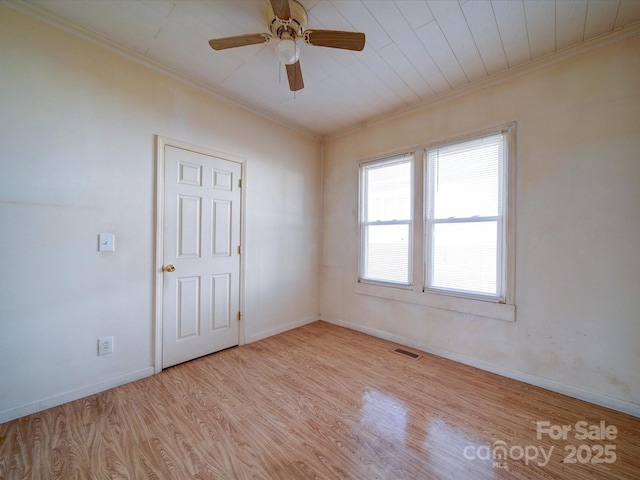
(386, 220)
(460, 256)
(464, 208)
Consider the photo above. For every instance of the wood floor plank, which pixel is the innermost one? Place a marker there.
(319, 402)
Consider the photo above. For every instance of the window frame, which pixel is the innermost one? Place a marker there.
(363, 223)
(416, 293)
(499, 219)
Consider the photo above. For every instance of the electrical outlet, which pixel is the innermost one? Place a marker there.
(105, 345)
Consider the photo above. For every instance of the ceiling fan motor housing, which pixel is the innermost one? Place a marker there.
(295, 26)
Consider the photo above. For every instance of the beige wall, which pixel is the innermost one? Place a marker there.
(77, 127)
(577, 236)
(77, 157)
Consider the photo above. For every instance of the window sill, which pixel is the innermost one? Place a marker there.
(481, 308)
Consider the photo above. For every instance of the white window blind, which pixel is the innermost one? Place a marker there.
(386, 220)
(465, 228)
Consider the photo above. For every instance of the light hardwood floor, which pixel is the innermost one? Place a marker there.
(319, 402)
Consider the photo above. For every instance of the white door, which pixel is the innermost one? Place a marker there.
(201, 261)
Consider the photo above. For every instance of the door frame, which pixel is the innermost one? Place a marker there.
(161, 143)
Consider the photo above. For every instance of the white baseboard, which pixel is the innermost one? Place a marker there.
(55, 400)
(284, 328)
(546, 383)
(569, 390)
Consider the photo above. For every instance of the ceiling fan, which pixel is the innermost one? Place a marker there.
(287, 21)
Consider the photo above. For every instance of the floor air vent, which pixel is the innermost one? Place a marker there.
(407, 354)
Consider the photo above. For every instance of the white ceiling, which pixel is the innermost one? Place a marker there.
(416, 50)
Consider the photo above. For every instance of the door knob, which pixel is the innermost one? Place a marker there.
(169, 268)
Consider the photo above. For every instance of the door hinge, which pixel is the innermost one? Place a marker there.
(239, 249)
(239, 316)
(240, 183)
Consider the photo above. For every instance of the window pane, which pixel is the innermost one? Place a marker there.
(466, 179)
(464, 256)
(387, 253)
(388, 192)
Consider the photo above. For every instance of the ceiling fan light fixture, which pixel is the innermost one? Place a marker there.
(287, 51)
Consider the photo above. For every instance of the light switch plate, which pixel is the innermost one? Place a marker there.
(106, 242)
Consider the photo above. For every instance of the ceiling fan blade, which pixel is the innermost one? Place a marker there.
(281, 9)
(239, 41)
(335, 39)
(294, 74)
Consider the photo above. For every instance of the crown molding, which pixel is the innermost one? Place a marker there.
(548, 60)
(543, 62)
(105, 42)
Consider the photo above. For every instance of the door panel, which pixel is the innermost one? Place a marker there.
(201, 235)
(188, 303)
(222, 228)
(221, 299)
(188, 228)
